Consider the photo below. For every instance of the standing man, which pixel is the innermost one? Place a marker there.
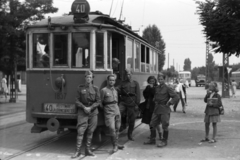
(130, 99)
(87, 102)
(109, 98)
(161, 113)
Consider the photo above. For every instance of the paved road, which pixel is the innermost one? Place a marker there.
(186, 131)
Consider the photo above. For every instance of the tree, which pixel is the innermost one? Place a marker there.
(187, 64)
(221, 21)
(14, 16)
(153, 35)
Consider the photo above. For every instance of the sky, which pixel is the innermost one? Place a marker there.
(176, 19)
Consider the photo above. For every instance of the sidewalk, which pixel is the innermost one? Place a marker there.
(7, 108)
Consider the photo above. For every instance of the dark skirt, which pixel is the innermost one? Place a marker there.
(147, 116)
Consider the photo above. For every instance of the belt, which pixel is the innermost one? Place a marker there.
(107, 103)
(161, 103)
(88, 104)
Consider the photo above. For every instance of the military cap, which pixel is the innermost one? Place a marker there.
(88, 73)
(115, 60)
(128, 71)
(161, 75)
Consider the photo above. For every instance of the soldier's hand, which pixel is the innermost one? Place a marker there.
(87, 110)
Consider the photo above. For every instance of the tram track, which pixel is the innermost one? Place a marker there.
(3, 127)
(107, 140)
(49, 141)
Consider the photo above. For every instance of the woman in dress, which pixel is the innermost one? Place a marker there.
(212, 114)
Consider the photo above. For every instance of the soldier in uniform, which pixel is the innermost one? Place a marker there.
(161, 113)
(130, 99)
(109, 98)
(87, 102)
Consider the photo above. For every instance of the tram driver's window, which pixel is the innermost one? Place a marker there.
(81, 50)
(60, 54)
(40, 50)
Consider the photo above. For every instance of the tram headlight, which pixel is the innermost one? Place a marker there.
(60, 82)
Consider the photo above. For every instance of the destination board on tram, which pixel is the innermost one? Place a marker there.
(59, 108)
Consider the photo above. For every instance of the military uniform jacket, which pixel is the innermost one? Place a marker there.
(109, 98)
(88, 96)
(162, 95)
(130, 92)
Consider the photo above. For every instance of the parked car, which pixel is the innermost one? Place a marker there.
(200, 80)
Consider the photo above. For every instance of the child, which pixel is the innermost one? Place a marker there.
(212, 112)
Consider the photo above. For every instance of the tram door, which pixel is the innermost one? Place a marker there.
(118, 51)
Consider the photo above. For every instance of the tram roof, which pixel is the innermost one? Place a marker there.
(95, 19)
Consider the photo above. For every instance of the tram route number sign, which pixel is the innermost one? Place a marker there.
(59, 108)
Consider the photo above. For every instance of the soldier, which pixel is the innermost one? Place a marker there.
(109, 98)
(87, 102)
(130, 99)
(161, 113)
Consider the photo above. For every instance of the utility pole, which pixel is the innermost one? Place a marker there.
(173, 65)
(168, 61)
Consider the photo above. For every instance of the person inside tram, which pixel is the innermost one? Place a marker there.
(115, 64)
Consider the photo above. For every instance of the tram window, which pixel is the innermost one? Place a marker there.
(129, 53)
(147, 60)
(143, 58)
(109, 51)
(99, 50)
(40, 50)
(81, 50)
(137, 57)
(27, 57)
(153, 60)
(60, 54)
(156, 61)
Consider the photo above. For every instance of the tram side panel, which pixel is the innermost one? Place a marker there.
(43, 97)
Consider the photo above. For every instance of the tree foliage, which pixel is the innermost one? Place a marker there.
(187, 65)
(14, 16)
(221, 21)
(153, 35)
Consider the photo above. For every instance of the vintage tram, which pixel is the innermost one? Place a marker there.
(61, 49)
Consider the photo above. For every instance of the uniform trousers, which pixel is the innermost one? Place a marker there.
(129, 111)
(160, 118)
(88, 123)
(113, 122)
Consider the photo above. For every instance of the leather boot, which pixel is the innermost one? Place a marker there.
(152, 139)
(119, 145)
(114, 143)
(160, 135)
(130, 130)
(78, 148)
(88, 151)
(163, 142)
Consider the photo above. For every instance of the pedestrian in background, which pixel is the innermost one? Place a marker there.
(212, 115)
(185, 86)
(149, 106)
(234, 88)
(112, 116)
(4, 87)
(179, 90)
(87, 102)
(130, 99)
(161, 113)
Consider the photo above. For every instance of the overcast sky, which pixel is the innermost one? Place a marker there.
(176, 19)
